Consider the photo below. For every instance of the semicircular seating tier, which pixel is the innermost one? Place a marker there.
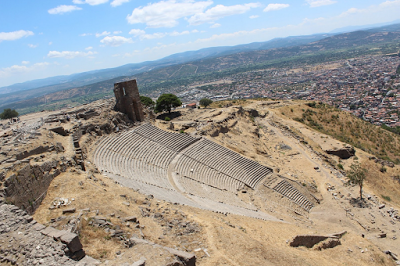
(180, 168)
(217, 166)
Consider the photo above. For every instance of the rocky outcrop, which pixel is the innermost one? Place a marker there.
(182, 257)
(23, 241)
(323, 241)
(27, 184)
(35, 151)
(342, 153)
(59, 130)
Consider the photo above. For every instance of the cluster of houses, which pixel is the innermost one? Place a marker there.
(367, 86)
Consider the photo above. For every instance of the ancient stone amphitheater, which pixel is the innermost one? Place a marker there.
(187, 170)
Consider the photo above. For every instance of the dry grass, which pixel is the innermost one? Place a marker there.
(231, 239)
(347, 128)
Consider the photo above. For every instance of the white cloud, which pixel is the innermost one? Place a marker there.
(104, 33)
(63, 9)
(117, 32)
(219, 12)
(387, 7)
(118, 2)
(50, 43)
(88, 48)
(216, 25)
(158, 35)
(69, 54)
(317, 3)
(90, 2)
(166, 13)
(85, 34)
(390, 3)
(32, 45)
(14, 35)
(137, 32)
(115, 40)
(272, 7)
(17, 69)
(254, 16)
(176, 33)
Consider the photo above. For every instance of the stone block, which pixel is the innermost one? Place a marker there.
(88, 261)
(57, 235)
(134, 241)
(188, 259)
(132, 219)
(141, 262)
(306, 240)
(60, 131)
(72, 241)
(38, 227)
(50, 231)
(69, 210)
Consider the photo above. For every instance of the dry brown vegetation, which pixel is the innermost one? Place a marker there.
(237, 240)
(347, 128)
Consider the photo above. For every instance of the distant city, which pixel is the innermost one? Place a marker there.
(367, 86)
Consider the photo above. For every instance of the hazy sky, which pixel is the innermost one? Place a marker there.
(45, 38)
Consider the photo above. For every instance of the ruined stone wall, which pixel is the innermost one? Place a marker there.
(27, 187)
(128, 100)
(35, 151)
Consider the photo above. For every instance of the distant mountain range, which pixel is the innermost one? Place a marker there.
(206, 60)
(81, 79)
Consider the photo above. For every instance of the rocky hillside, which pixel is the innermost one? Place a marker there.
(118, 225)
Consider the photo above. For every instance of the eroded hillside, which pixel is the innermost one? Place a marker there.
(118, 224)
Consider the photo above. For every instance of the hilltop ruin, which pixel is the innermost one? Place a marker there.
(128, 100)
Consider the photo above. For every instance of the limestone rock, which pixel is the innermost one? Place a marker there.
(188, 259)
(141, 262)
(306, 240)
(342, 153)
(72, 241)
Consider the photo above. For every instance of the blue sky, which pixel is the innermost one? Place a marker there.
(45, 38)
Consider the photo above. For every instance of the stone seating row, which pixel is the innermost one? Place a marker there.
(174, 141)
(136, 146)
(203, 190)
(187, 166)
(228, 162)
(134, 156)
(156, 191)
(286, 189)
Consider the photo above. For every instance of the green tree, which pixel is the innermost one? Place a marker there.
(205, 102)
(356, 175)
(166, 102)
(8, 113)
(147, 101)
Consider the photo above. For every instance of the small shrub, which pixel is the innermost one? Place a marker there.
(383, 169)
(340, 166)
(312, 104)
(182, 131)
(167, 118)
(387, 198)
(291, 110)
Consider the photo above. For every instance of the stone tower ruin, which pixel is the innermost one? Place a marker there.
(128, 99)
